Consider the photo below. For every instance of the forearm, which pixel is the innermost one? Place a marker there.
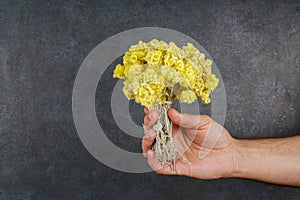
(269, 160)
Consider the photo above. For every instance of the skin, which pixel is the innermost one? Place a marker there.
(221, 156)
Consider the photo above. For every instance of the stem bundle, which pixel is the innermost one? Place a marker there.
(164, 146)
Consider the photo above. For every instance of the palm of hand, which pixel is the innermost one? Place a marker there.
(208, 147)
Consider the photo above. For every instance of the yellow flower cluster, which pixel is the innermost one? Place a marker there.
(157, 71)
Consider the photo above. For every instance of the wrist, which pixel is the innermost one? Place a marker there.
(234, 158)
(237, 158)
(247, 158)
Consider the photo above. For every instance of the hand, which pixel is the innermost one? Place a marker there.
(205, 143)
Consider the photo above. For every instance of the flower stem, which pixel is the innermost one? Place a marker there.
(164, 146)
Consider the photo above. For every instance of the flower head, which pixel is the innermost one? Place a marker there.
(155, 71)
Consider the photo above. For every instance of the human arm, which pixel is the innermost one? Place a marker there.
(270, 160)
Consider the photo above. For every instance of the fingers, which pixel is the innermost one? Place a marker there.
(146, 110)
(156, 166)
(188, 121)
(147, 141)
(150, 119)
(180, 169)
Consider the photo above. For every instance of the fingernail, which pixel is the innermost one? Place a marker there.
(153, 114)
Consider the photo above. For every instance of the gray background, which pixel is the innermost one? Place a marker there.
(42, 44)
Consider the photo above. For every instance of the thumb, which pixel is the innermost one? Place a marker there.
(188, 121)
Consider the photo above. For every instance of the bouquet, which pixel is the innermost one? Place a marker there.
(155, 73)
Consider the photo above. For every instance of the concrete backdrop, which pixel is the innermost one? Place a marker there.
(255, 45)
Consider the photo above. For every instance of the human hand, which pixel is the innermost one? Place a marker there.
(205, 143)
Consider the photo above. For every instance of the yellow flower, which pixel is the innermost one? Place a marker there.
(170, 76)
(133, 58)
(207, 66)
(173, 48)
(187, 96)
(126, 58)
(170, 59)
(189, 50)
(152, 75)
(162, 99)
(131, 71)
(179, 66)
(137, 47)
(119, 72)
(154, 71)
(140, 54)
(142, 92)
(208, 62)
(198, 86)
(157, 44)
(206, 100)
(205, 93)
(201, 56)
(149, 94)
(127, 91)
(211, 81)
(154, 57)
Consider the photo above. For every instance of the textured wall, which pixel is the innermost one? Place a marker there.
(42, 44)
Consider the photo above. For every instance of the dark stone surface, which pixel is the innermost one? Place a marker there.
(42, 44)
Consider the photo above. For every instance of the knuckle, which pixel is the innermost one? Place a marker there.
(150, 134)
(148, 139)
(144, 145)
